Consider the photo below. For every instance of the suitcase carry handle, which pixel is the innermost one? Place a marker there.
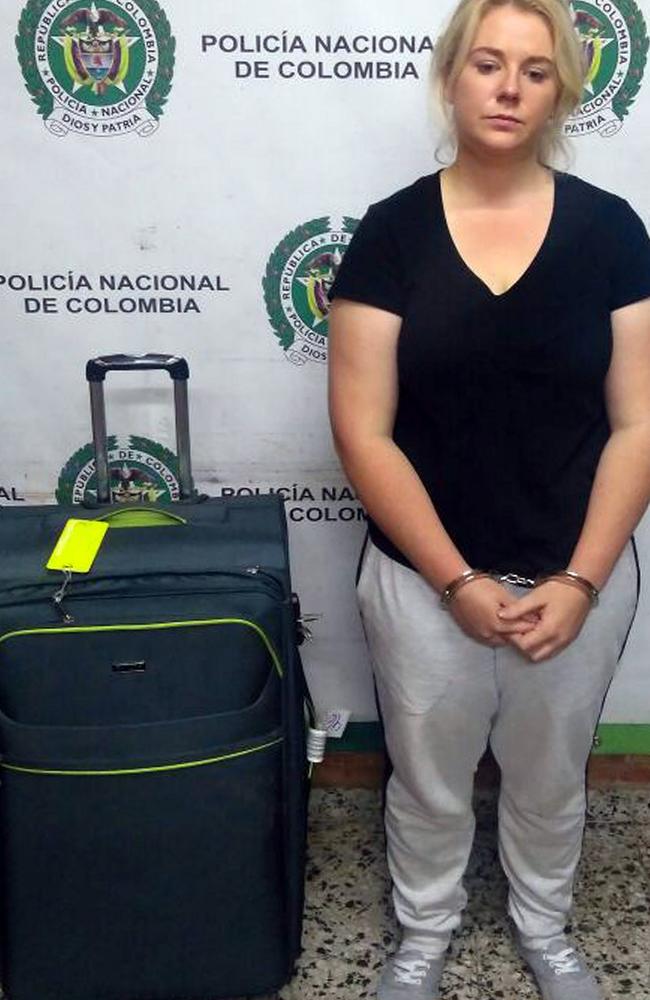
(157, 517)
(97, 368)
(141, 517)
(178, 370)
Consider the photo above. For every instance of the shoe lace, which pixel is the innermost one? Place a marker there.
(411, 971)
(563, 961)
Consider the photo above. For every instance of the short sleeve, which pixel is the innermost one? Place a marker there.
(630, 262)
(371, 270)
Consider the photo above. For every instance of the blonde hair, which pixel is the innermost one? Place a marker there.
(453, 47)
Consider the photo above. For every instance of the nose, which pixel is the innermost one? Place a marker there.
(509, 91)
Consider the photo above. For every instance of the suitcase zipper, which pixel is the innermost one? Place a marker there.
(68, 619)
(183, 765)
(57, 598)
(152, 627)
(261, 580)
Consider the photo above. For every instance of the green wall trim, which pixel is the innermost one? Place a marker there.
(613, 738)
(621, 738)
(359, 737)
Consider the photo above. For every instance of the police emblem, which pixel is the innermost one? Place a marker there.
(299, 275)
(140, 470)
(98, 69)
(614, 42)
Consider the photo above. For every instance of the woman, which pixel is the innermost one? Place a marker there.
(490, 401)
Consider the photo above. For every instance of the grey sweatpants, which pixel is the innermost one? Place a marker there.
(443, 696)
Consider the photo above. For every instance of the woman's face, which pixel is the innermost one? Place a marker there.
(507, 90)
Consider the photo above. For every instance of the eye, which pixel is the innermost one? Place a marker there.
(537, 75)
(486, 67)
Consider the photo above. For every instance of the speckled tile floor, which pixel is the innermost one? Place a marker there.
(349, 927)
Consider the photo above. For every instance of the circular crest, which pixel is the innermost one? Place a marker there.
(614, 42)
(101, 68)
(141, 472)
(299, 275)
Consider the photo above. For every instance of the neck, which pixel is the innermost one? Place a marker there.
(496, 177)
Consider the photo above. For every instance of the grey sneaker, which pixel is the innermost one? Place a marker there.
(410, 975)
(561, 972)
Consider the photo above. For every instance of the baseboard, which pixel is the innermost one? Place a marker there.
(349, 769)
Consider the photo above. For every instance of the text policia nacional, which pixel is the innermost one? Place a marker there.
(321, 57)
(164, 293)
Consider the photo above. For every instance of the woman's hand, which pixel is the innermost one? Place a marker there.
(475, 609)
(561, 610)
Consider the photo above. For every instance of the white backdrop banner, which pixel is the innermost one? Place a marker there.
(185, 178)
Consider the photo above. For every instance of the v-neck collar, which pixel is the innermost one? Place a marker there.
(476, 277)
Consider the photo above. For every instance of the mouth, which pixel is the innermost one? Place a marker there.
(505, 118)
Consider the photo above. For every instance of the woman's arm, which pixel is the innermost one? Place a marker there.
(619, 495)
(621, 488)
(363, 402)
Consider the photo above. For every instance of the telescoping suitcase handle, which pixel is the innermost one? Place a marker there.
(178, 370)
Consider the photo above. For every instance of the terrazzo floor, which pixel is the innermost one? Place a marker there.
(349, 928)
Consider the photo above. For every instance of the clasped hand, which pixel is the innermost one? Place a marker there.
(539, 624)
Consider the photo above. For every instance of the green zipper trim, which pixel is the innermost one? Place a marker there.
(153, 627)
(144, 770)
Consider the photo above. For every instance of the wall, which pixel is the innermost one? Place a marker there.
(188, 201)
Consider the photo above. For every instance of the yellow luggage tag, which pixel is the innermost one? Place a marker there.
(77, 546)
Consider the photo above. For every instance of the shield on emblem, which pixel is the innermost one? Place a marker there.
(100, 57)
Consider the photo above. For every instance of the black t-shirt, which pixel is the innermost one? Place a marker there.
(501, 405)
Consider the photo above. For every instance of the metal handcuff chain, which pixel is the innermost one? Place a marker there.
(561, 576)
(514, 578)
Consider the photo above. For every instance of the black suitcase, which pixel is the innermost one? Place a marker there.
(152, 719)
